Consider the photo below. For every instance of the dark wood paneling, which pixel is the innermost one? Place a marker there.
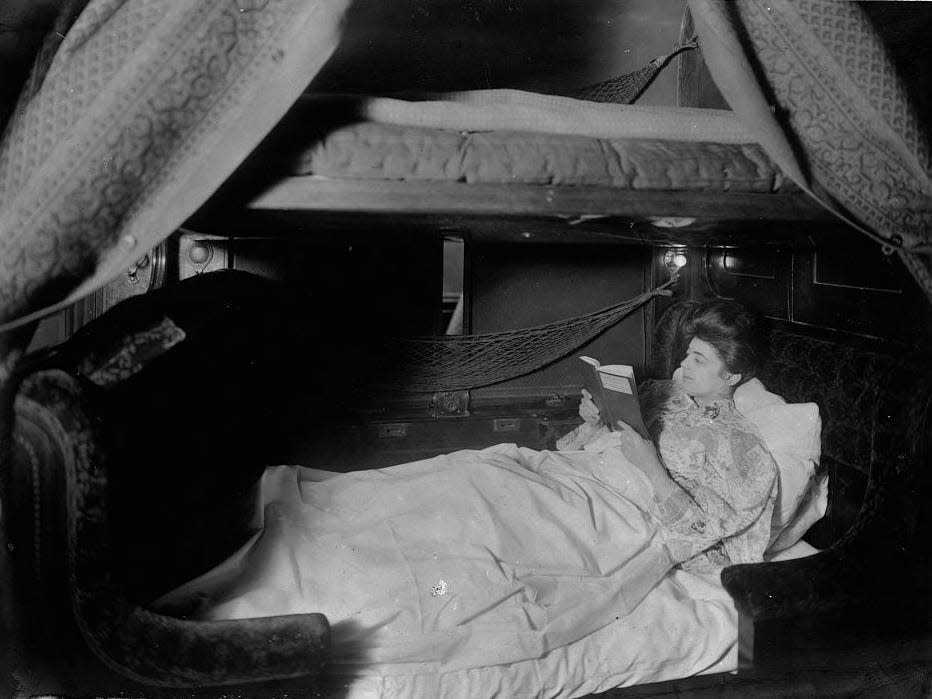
(521, 286)
(853, 287)
(831, 283)
(760, 277)
(375, 284)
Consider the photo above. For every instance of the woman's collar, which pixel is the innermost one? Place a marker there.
(711, 408)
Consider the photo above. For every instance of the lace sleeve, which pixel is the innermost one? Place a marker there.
(581, 436)
(728, 498)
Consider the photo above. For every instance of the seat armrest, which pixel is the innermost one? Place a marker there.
(163, 650)
(822, 582)
(54, 411)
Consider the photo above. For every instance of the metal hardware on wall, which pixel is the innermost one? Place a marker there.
(159, 257)
(392, 430)
(506, 424)
(199, 253)
(146, 274)
(674, 259)
(449, 404)
(133, 272)
(151, 267)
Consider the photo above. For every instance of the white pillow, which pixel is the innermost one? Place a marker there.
(792, 432)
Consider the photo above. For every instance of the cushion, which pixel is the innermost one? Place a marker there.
(800, 549)
(793, 434)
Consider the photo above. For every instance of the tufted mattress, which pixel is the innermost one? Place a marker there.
(510, 152)
(387, 151)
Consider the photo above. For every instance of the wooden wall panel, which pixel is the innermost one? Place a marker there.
(519, 286)
(855, 288)
(375, 284)
(760, 277)
(842, 285)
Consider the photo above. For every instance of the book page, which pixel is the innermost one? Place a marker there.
(617, 369)
(616, 383)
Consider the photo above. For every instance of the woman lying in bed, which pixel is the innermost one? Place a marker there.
(486, 558)
(713, 479)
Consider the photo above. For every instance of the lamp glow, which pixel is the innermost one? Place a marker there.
(674, 259)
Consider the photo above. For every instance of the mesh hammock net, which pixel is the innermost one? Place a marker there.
(459, 362)
(626, 88)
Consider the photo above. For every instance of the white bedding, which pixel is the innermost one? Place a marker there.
(515, 110)
(501, 572)
(686, 626)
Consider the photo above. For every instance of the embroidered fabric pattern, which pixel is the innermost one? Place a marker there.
(722, 516)
(834, 91)
(140, 96)
(723, 513)
(133, 355)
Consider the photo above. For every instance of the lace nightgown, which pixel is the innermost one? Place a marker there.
(728, 478)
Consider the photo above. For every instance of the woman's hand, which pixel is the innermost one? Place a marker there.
(592, 429)
(642, 453)
(588, 410)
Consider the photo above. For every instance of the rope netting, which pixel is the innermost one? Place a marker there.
(459, 362)
(626, 88)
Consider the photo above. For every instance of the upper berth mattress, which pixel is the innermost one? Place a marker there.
(387, 151)
(508, 136)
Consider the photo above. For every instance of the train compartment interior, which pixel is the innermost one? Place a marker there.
(404, 265)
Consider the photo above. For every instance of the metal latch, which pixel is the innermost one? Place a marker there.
(506, 424)
(393, 430)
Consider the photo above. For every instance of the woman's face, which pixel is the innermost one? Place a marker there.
(705, 377)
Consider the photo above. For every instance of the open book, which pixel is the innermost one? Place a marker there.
(615, 392)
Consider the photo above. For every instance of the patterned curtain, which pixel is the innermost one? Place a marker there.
(813, 80)
(145, 108)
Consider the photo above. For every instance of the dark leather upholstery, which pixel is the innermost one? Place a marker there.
(92, 483)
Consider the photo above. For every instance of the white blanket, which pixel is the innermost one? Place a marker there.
(685, 626)
(500, 572)
(515, 110)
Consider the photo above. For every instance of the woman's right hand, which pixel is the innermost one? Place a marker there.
(588, 410)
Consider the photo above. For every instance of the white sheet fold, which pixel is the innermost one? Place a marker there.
(515, 110)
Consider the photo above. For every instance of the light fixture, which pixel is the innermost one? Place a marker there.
(671, 221)
(674, 259)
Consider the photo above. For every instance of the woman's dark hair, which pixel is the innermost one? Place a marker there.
(741, 337)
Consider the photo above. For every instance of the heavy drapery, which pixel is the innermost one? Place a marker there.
(814, 82)
(145, 109)
(148, 106)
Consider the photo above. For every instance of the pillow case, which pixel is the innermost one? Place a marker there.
(792, 432)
